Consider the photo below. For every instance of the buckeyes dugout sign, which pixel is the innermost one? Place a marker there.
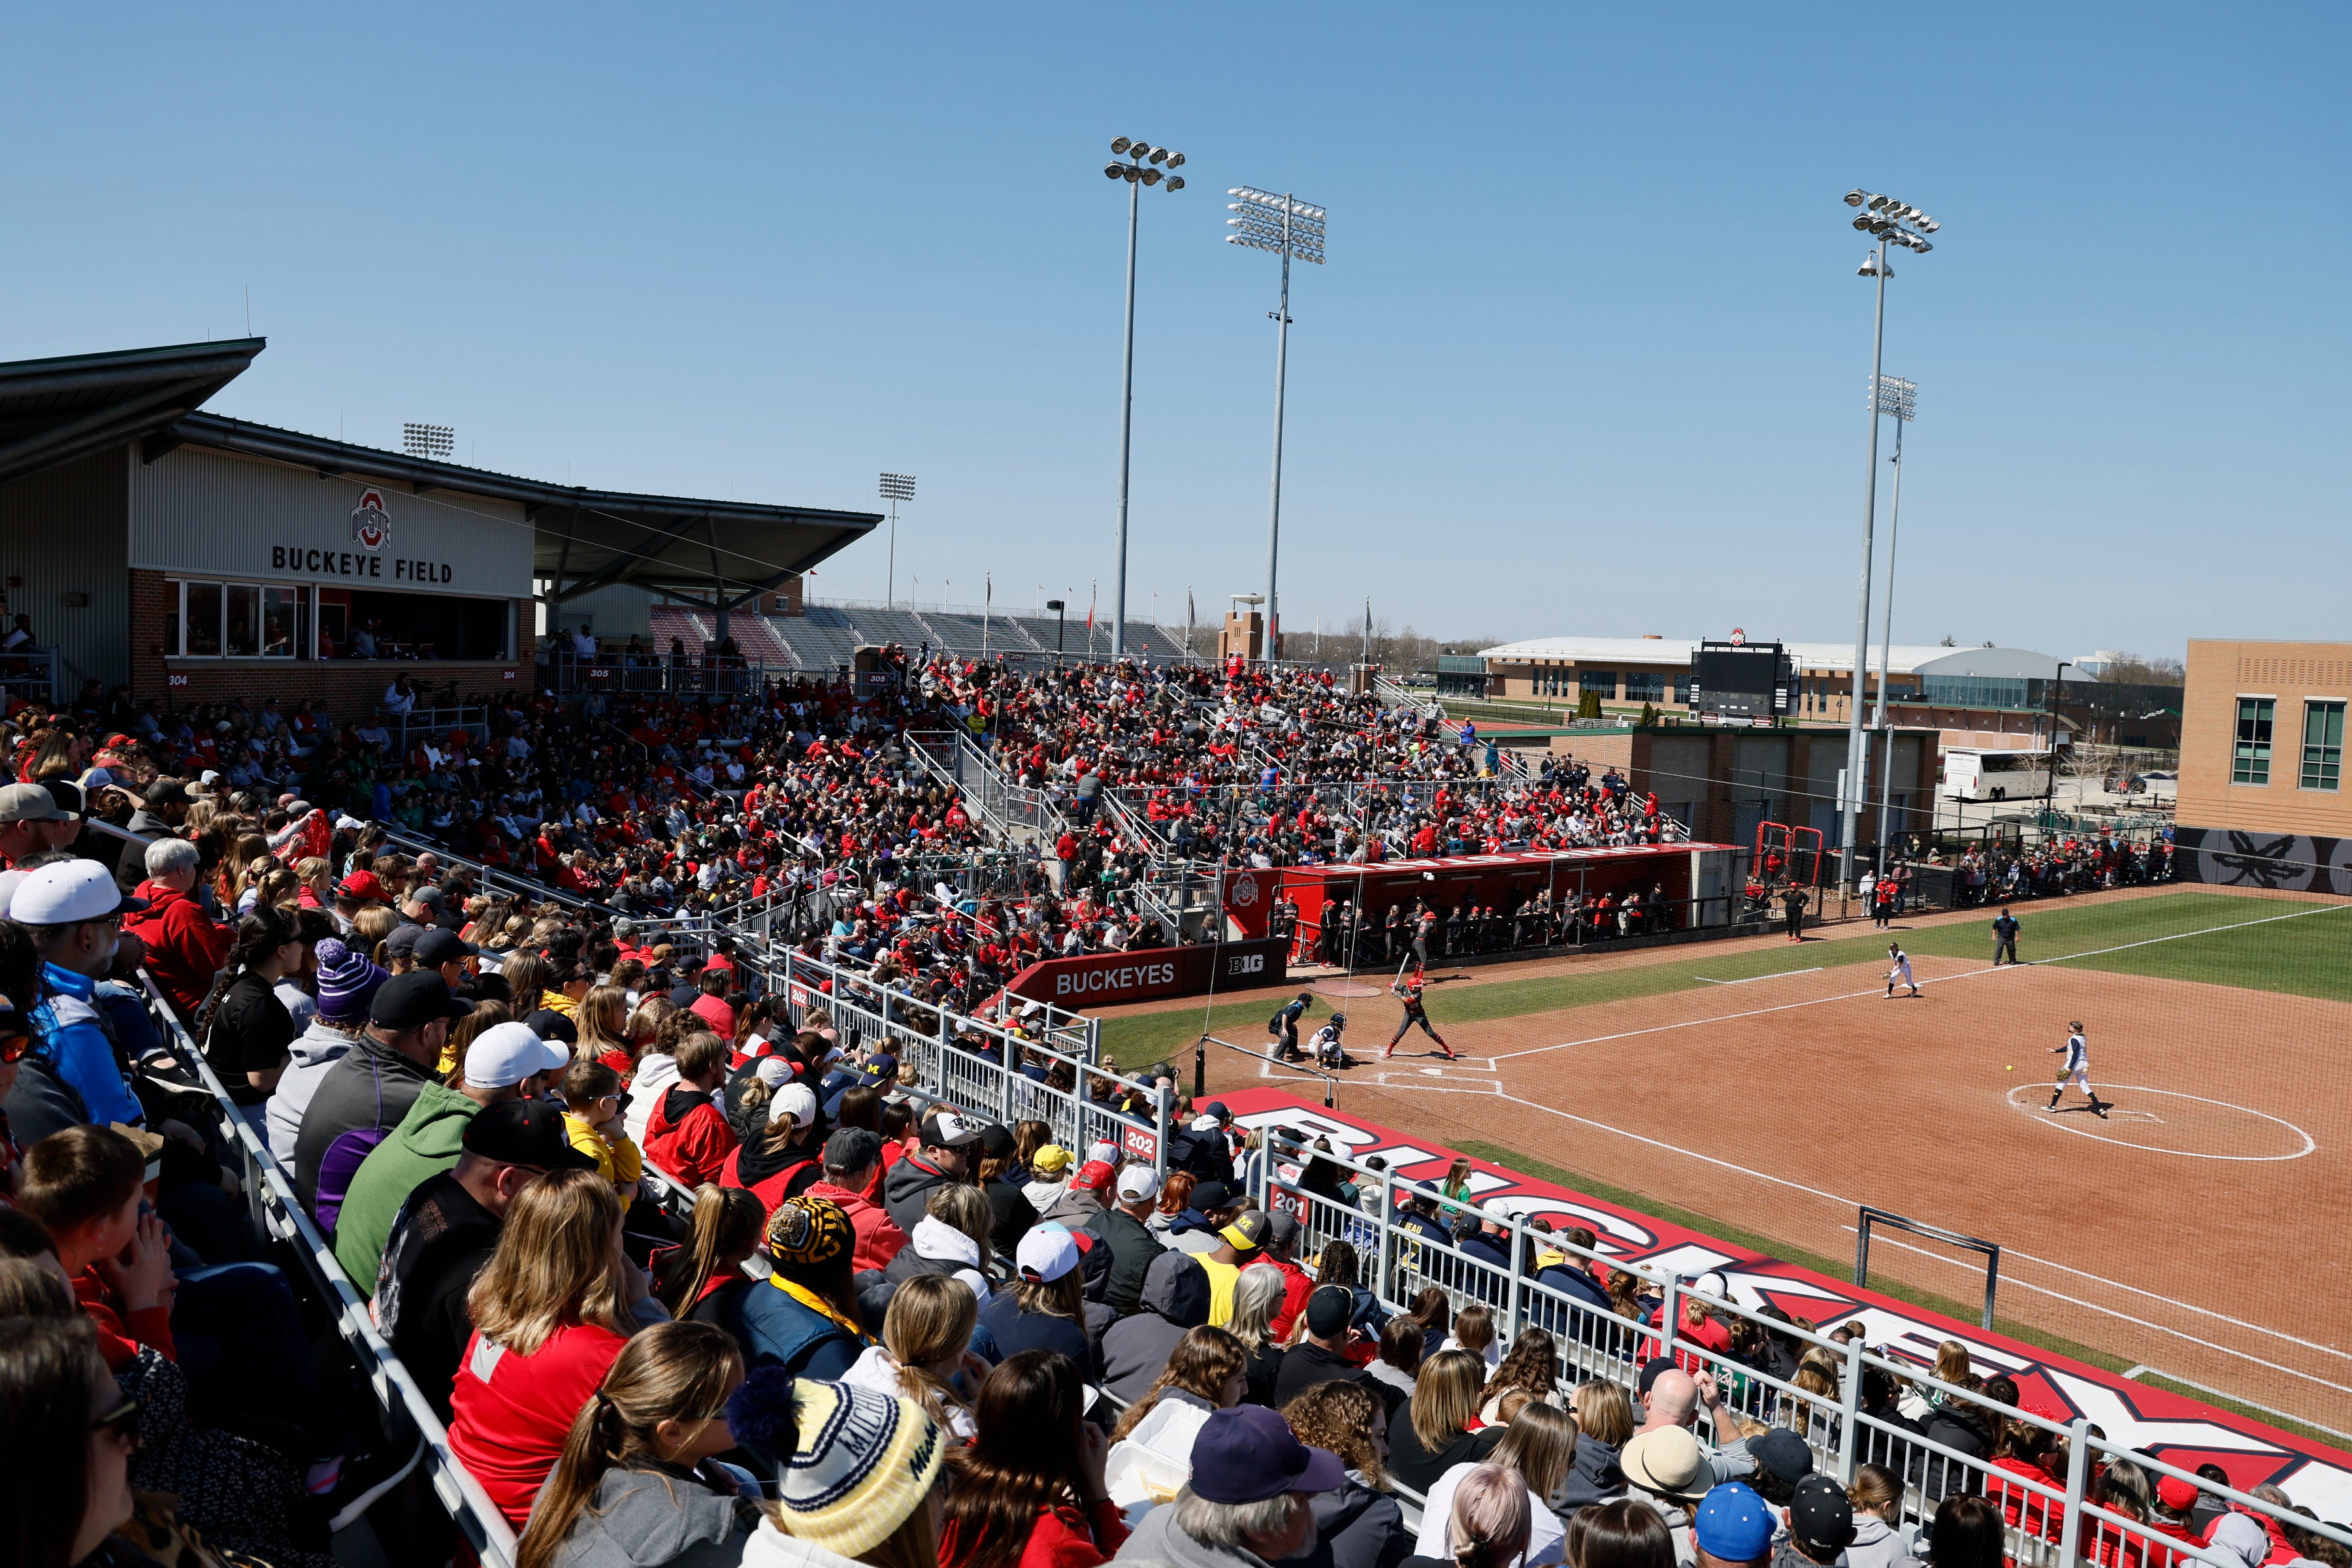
(1112, 977)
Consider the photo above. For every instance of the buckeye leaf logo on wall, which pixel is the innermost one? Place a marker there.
(371, 524)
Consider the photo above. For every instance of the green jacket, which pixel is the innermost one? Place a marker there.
(425, 1144)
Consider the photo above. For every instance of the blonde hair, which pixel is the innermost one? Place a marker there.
(1603, 1412)
(1258, 1295)
(603, 1022)
(930, 1319)
(728, 1223)
(672, 1372)
(1490, 1520)
(1952, 1363)
(555, 1265)
(1446, 1398)
(1541, 1444)
(960, 1207)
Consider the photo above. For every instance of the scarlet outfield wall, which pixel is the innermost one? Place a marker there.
(2180, 1430)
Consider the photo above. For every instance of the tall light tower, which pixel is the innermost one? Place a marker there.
(896, 487)
(1889, 222)
(1899, 399)
(1289, 227)
(1143, 167)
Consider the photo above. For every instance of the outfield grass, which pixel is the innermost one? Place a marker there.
(2310, 955)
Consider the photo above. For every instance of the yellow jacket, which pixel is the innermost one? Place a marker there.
(616, 1156)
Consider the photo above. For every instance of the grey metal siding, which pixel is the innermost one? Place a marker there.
(194, 510)
(62, 532)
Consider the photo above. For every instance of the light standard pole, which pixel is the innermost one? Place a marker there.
(1142, 168)
(1289, 227)
(896, 487)
(1890, 222)
(1900, 399)
(2050, 772)
(1061, 620)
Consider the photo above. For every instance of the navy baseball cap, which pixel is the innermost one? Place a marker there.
(1733, 1524)
(1247, 1454)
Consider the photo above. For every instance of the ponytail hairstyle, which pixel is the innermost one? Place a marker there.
(258, 935)
(930, 1320)
(671, 1371)
(1489, 1524)
(728, 1223)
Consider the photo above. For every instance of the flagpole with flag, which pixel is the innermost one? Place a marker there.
(1368, 629)
(1091, 587)
(1188, 620)
(987, 598)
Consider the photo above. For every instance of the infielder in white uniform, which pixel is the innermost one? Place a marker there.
(2076, 1071)
(1899, 970)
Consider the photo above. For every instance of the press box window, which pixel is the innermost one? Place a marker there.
(1600, 682)
(236, 620)
(2323, 745)
(2249, 764)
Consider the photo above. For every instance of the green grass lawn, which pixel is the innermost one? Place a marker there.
(2310, 955)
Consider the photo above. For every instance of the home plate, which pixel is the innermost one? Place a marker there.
(1432, 1072)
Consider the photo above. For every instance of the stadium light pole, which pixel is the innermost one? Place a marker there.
(1889, 222)
(896, 487)
(1290, 228)
(1143, 167)
(1899, 399)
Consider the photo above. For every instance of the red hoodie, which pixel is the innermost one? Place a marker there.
(686, 1136)
(186, 946)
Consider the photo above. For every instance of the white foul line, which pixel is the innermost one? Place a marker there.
(1752, 979)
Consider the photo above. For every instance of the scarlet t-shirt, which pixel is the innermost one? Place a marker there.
(508, 1413)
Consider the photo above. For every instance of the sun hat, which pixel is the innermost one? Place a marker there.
(347, 981)
(851, 1463)
(1665, 1461)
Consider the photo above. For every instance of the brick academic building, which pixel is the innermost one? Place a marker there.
(194, 557)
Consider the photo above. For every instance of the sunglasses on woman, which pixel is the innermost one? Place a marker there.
(122, 1421)
(13, 1047)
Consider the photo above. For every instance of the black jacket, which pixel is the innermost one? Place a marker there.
(42, 1102)
(347, 1097)
(1419, 1469)
(1955, 1425)
(1131, 1247)
(907, 1187)
(249, 1032)
(1306, 1364)
(1596, 1476)
(1356, 1527)
(1014, 1214)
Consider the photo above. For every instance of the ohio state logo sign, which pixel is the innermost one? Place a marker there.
(371, 524)
(1245, 891)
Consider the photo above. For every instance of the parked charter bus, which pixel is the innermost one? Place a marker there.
(1970, 774)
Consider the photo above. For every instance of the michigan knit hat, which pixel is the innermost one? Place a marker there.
(809, 1233)
(347, 981)
(851, 1463)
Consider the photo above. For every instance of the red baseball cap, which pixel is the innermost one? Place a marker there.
(362, 884)
(1094, 1175)
(2177, 1494)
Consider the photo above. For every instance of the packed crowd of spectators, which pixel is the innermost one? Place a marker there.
(1984, 874)
(876, 1334)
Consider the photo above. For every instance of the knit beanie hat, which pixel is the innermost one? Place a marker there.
(852, 1463)
(347, 983)
(806, 1233)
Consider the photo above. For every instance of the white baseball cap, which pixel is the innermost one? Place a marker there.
(1106, 1151)
(68, 892)
(773, 1071)
(503, 1054)
(1138, 1183)
(1047, 1252)
(796, 1101)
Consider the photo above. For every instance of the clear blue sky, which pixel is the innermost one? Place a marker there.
(1589, 355)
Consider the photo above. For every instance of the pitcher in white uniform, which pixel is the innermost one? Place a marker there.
(2076, 1071)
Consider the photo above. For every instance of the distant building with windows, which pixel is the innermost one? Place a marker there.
(2261, 748)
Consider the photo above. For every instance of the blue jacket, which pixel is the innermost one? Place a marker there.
(775, 1330)
(71, 1036)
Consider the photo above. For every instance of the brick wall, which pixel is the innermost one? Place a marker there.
(350, 686)
(2220, 672)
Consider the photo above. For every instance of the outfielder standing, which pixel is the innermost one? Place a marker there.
(1899, 970)
(2076, 1071)
(1414, 1014)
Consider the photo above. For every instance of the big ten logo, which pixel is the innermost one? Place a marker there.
(1141, 1142)
(1246, 964)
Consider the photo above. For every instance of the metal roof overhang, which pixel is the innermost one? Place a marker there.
(56, 411)
(709, 552)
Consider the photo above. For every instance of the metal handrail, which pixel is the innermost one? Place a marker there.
(270, 1193)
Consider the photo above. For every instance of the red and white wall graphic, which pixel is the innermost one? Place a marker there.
(2180, 1430)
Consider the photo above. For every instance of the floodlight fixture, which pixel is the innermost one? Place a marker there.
(896, 487)
(1898, 398)
(1281, 224)
(436, 441)
(1145, 165)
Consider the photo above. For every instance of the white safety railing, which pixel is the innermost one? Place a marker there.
(2051, 1520)
(277, 1212)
